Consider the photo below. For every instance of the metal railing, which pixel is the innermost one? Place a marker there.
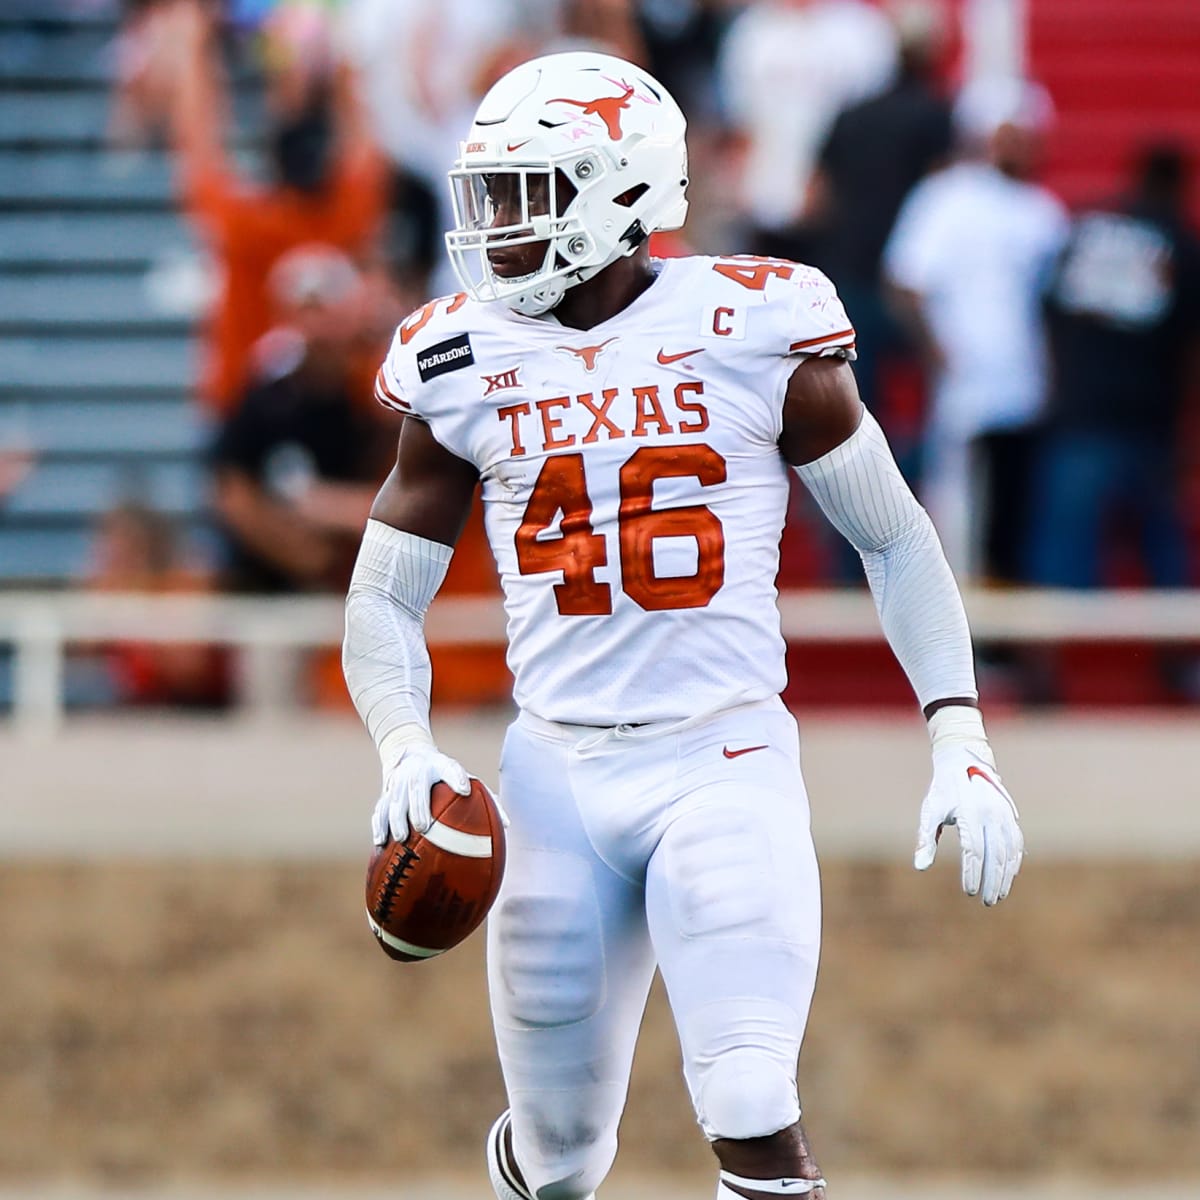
(267, 634)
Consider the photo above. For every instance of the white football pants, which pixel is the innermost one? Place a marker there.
(685, 845)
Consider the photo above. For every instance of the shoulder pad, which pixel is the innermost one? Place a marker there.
(429, 342)
(817, 320)
(793, 309)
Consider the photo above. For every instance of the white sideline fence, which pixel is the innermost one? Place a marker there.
(268, 633)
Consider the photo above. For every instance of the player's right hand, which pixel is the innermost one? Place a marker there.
(405, 801)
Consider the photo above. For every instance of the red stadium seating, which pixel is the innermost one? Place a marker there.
(1121, 74)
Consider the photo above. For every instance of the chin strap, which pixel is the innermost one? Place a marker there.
(540, 301)
(731, 1186)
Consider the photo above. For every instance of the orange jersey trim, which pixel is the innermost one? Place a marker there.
(827, 337)
(386, 397)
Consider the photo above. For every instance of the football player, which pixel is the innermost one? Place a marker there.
(632, 424)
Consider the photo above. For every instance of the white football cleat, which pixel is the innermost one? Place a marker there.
(500, 1169)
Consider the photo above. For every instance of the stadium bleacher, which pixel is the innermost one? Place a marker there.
(96, 344)
(1120, 74)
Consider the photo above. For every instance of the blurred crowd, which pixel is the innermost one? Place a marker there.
(1031, 365)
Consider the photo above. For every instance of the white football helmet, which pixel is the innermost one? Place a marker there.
(580, 150)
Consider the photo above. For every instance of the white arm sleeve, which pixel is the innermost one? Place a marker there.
(384, 657)
(861, 491)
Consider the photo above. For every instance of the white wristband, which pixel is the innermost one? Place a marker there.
(397, 742)
(956, 723)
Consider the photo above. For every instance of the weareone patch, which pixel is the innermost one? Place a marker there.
(446, 356)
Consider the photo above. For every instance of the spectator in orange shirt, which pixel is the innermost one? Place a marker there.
(329, 184)
(297, 464)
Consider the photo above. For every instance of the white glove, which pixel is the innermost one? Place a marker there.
(406, 791)
(967, 792)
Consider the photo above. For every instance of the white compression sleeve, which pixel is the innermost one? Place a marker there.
(384, 657)
(861, 491)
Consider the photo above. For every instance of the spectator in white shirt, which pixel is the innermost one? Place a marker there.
(786, 69)
(423, 67)
(968, 262)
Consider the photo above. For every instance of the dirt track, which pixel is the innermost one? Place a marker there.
(235, 1021)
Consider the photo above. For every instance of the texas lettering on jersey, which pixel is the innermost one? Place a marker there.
(560, 422)
(634, 494)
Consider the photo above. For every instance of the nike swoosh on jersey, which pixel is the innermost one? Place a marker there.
(738, 753)
(666, 359)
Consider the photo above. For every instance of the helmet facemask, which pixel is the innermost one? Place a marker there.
(504, 206)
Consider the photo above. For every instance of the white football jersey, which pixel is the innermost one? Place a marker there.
(634, 493)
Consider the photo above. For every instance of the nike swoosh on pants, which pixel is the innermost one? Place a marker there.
(738, 753)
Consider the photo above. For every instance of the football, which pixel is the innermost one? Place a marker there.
(429, 892)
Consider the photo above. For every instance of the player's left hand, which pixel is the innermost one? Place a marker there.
(967, 792)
